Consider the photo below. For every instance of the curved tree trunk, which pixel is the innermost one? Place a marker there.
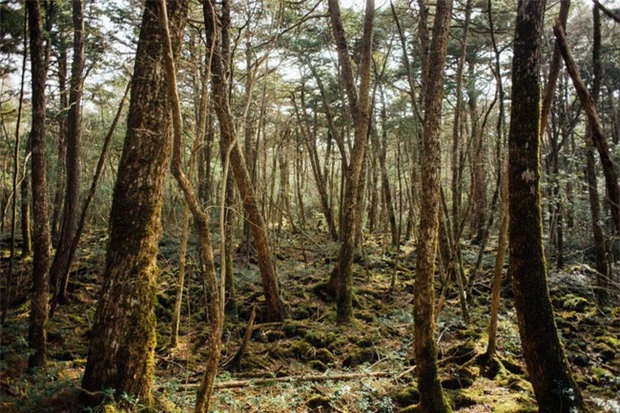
(431, 394)
(554, 387)
(119, 357)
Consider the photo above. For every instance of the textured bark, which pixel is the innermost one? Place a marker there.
(269, 280)
(37, 338)
(59, 274)
(431, 394)
(341, 279)
(25, 203)
(119, 357)
(554, 387)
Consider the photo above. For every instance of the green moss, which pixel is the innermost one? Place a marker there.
(318, 402)
(407, 396)
(612, 342)
(574, 303)
(317, 365)
(360, 356)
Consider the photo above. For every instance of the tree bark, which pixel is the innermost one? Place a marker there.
(37, 335)
(119, 357)
(432, 398)
(341, 280)
(554, 386)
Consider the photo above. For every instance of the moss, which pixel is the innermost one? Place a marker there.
(320, 339)
(613, 342)
(574, 303)
(292, 328)
(318, 402)
(407, 396)
(317, 365)
(410, 409)
(325, 356)
(301, 350)
(360, 356)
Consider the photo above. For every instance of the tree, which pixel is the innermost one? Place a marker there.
(121, 353)
(37, 338)
(431, 394)
(554, 387)
(341, 280)
(258, 228)
(60, 269)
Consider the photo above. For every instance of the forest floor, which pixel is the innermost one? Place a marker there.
(308, 363)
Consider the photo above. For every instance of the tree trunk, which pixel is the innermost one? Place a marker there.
(554, 387)
(25, 203)
(59, 274)
(37, 336)
(275, 307)
(341, 279)
(431, 395)
(594, 122)
(122, 358)
(600, 249)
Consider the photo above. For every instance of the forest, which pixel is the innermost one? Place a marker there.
(310, 206)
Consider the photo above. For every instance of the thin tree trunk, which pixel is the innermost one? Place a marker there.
(432, 398)
(496, 284)
(275, 307)
(600, 249)
(9, 277)
(59, 274)
(594, 121)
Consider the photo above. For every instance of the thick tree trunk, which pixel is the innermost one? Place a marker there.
(431, 395)
(554, 387)
(119, 357)
(37, 336)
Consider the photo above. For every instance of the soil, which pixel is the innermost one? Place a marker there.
(308, 363)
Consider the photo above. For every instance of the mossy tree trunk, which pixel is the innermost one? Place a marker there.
(554, 387)
(37, 339)
(431, 395)
(341, 280)
(121, 353)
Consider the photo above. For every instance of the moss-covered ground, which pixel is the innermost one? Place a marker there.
(317, 366)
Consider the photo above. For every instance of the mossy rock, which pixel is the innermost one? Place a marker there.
(456, 383)
(407, 396)
(325, 356)
(461, 400)
(317, 365)
(462, 353)
(360, 356)
(613, 342)
(318, 402)
(320, 339)
(573, 303)
(301, 350)
(293, 329)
